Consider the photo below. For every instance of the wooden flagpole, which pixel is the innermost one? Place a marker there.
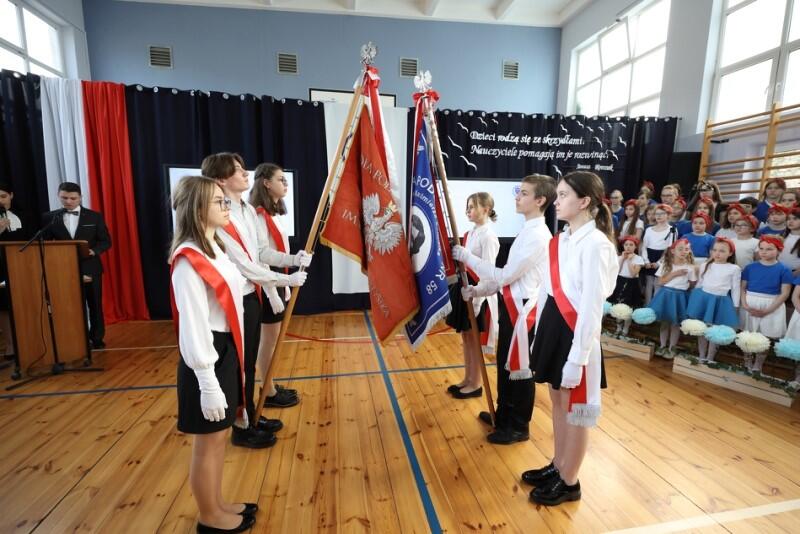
(473, 323)
(331, 185)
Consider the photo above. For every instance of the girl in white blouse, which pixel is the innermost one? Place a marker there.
(716, 296)
(581, 274)
(655, 240)
(676, 274)
(481, 242)
(207, 308)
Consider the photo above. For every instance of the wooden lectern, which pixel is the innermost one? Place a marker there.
(29, 317)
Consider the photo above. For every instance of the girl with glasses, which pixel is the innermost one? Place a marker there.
(207, 308)
(655, 240)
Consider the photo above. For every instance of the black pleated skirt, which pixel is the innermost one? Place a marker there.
(267, 315)
(551, 347)
(458, 318)
(627, 291)
(190, 416)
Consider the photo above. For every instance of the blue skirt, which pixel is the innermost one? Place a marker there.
(670, 304)
(712, 309)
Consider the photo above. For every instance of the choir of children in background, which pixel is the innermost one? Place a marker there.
(683, 264)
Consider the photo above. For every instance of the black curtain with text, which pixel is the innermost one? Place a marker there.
(623, 151)
(168, 126)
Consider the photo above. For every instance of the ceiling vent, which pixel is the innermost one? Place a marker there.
(510, 70)
(287, 63)
(409, 67)
(161, 57)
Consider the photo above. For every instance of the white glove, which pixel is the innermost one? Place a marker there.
(460, 253)
(212, 399)
(571, 375)
(297, 279)
(302, 259)
(468, 293)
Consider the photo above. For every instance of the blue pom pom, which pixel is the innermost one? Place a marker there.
(606, 307)
(788, 348)
(643, 316)
(720, 334)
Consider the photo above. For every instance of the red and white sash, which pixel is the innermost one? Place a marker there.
(582, 411)
(232, 231)
(279, 238)
(489, 335)
(522, 319)
(211, 276)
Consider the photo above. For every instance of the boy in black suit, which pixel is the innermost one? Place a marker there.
(74, 222)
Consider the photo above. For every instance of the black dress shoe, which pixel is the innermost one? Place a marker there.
(452, 388)
(247, 522)
(506, 436)
(281, 399)
(556, 493)
(458, 394)
(287, 390)
(98, 344)
(486, 417)
(541, 477)
(269, 425)
(250, 508)
(252, 438)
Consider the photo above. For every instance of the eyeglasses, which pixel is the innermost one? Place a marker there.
(223, 203)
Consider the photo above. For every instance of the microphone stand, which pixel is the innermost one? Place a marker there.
(58, 366)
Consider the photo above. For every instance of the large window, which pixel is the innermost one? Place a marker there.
(28, 42)
(759, 57)
(619, 71)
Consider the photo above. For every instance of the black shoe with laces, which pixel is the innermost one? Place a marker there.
(269, 425)
(287, 390)
(541, 477)
(281, 399)
(252, 438)
(556, 493)
(507, 436)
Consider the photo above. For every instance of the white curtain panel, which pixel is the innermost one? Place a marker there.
(345, 273)
(64, 137)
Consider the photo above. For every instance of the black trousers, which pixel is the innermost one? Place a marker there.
(252, 338)
(93, 292)
(514, 397)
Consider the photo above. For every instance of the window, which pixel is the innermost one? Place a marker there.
(28, 41)
(759, 57)
(619, 71)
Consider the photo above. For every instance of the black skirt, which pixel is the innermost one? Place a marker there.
(628, 291)
(267, 315)
(654, 255)
(190, 415)
(550, 351)
(458, 318)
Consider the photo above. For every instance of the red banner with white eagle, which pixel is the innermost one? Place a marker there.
(364, 224)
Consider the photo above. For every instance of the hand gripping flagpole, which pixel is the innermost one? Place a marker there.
(368, 53)
(423, 84)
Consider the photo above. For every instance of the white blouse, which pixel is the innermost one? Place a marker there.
(526, 265)
(243, 218)
(688, 275)
(198, 308)
(787, 257)
(626, 225)
(588, 267)
(482, 242)
(656, 240)
(721, 279)
(745, 251)
(625, 265)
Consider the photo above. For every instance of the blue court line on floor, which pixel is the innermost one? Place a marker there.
(422, 488)
(282, 379)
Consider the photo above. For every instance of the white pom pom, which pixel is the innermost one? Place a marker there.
(693, 327)
(621, 312)
(752, 342)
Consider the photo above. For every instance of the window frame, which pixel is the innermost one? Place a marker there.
(779, 56)
(22, 49)
(630, 62)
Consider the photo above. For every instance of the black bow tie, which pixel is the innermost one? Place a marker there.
(71, 212)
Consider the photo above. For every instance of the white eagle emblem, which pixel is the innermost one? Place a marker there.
(380, 234)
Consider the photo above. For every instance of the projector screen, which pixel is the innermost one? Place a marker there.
(508, 223)
(175, 174)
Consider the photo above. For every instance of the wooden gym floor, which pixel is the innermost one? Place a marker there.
(377, 445)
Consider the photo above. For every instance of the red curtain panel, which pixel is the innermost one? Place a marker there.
(111, 184)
